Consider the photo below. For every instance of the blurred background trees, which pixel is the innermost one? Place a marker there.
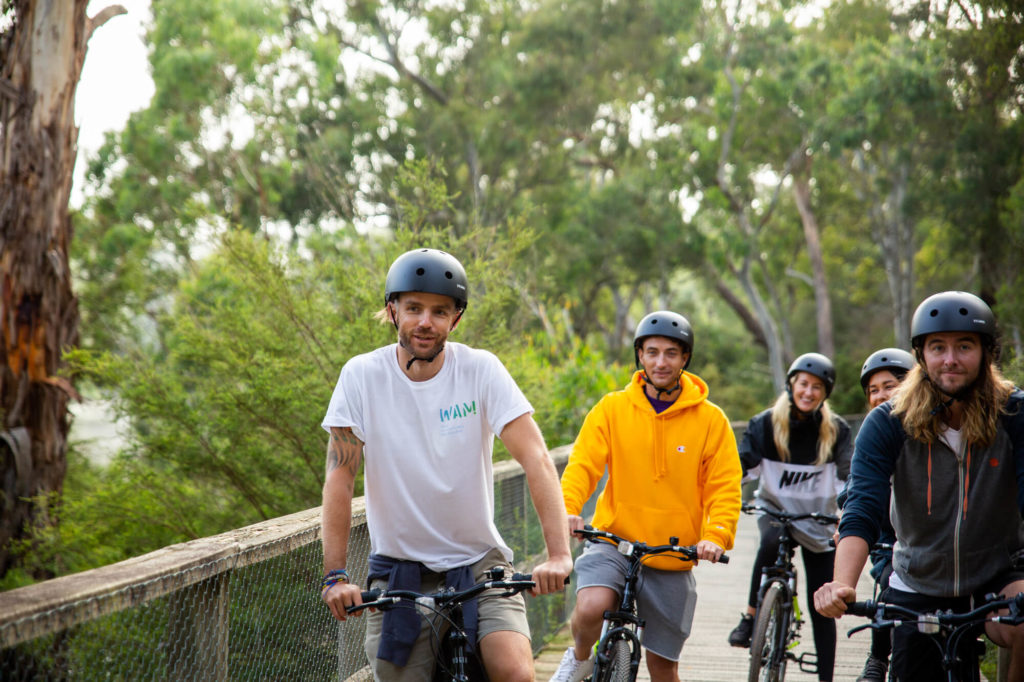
(789, 176)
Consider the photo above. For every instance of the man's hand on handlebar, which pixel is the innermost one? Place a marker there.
(575, 523)
(831, 598)
(552, 575)
(340, 596)
(709, 551)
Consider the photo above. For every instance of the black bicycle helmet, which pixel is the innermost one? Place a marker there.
(896, 360)
(664, 323)
(953, 311)
(430, 271)
(816, 364)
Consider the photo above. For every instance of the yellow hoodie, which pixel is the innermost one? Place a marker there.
(671, 474)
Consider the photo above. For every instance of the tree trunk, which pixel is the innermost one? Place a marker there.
(893, 231)
(41, 56)
(812, 236)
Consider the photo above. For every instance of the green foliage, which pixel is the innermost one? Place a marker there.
(225, 407)
(588, 162)
(564, 380)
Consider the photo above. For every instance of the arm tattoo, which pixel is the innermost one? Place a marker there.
(344, 450)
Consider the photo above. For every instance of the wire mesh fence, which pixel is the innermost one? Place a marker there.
(244, 605)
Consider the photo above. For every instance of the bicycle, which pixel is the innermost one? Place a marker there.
(778, 620)
(453, 660)
(955, 627)
(617, 652)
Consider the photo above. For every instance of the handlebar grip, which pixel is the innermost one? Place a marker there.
(861, 608)
(528, 577)
(724, 559)
(370, 595)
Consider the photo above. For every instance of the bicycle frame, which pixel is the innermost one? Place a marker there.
(783, 573)
(452, 656)
(624, 624)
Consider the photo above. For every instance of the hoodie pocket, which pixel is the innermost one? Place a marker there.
(655, 525)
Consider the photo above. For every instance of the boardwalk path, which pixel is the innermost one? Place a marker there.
(722, 593)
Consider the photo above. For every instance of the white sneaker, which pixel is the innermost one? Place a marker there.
(572, 670)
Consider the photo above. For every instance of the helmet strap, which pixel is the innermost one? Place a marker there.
(667, 391)
(944, 405)
(414, 358)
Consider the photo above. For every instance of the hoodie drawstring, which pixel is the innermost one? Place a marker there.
(929, 494)
(967, 478)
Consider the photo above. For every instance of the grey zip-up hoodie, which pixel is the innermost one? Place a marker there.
(957, 515)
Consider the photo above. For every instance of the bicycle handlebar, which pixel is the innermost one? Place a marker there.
(640, 549)
(884, 614)
(382, 599)
(786, 517)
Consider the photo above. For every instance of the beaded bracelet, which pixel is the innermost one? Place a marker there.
(331, 578)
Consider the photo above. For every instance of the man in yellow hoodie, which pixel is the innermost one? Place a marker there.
(673, 470)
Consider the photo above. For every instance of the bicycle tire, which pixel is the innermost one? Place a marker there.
(619, 658)
(768, 640)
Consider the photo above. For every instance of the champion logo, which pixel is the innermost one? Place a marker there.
(682, 449)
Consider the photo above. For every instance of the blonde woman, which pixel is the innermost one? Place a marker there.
(801, 453)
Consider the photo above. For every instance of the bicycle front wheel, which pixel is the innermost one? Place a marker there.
(618, 668)
(768, 641)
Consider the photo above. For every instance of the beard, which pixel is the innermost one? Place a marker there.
(405, 340)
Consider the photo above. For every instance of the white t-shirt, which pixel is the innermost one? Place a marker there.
(427, 450)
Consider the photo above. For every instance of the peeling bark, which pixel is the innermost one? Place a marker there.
(41, 57)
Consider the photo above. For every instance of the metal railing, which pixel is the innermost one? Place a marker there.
(237, 606)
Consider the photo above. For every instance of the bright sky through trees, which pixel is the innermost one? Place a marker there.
(115, 80)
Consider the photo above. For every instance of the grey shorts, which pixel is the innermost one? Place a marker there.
(666, 599)
(495, 613)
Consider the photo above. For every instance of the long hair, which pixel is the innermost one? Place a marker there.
(918, 403)
(828, 432)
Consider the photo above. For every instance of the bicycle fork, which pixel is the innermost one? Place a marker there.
(619, 626)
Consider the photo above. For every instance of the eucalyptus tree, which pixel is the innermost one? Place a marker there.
(217, 147)
(42, 49)
(889, 123)
(984, 66)
(295, 117)
(736, 112)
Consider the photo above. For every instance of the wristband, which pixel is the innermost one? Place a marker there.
(331, 578)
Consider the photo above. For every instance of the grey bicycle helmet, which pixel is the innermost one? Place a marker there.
(816, 364)
(953, 311)
(896, 360)
(430, 271)
(664, 323)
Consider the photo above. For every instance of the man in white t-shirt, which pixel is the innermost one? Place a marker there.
(423, 413)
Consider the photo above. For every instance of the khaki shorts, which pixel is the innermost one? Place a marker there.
(495, 614)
